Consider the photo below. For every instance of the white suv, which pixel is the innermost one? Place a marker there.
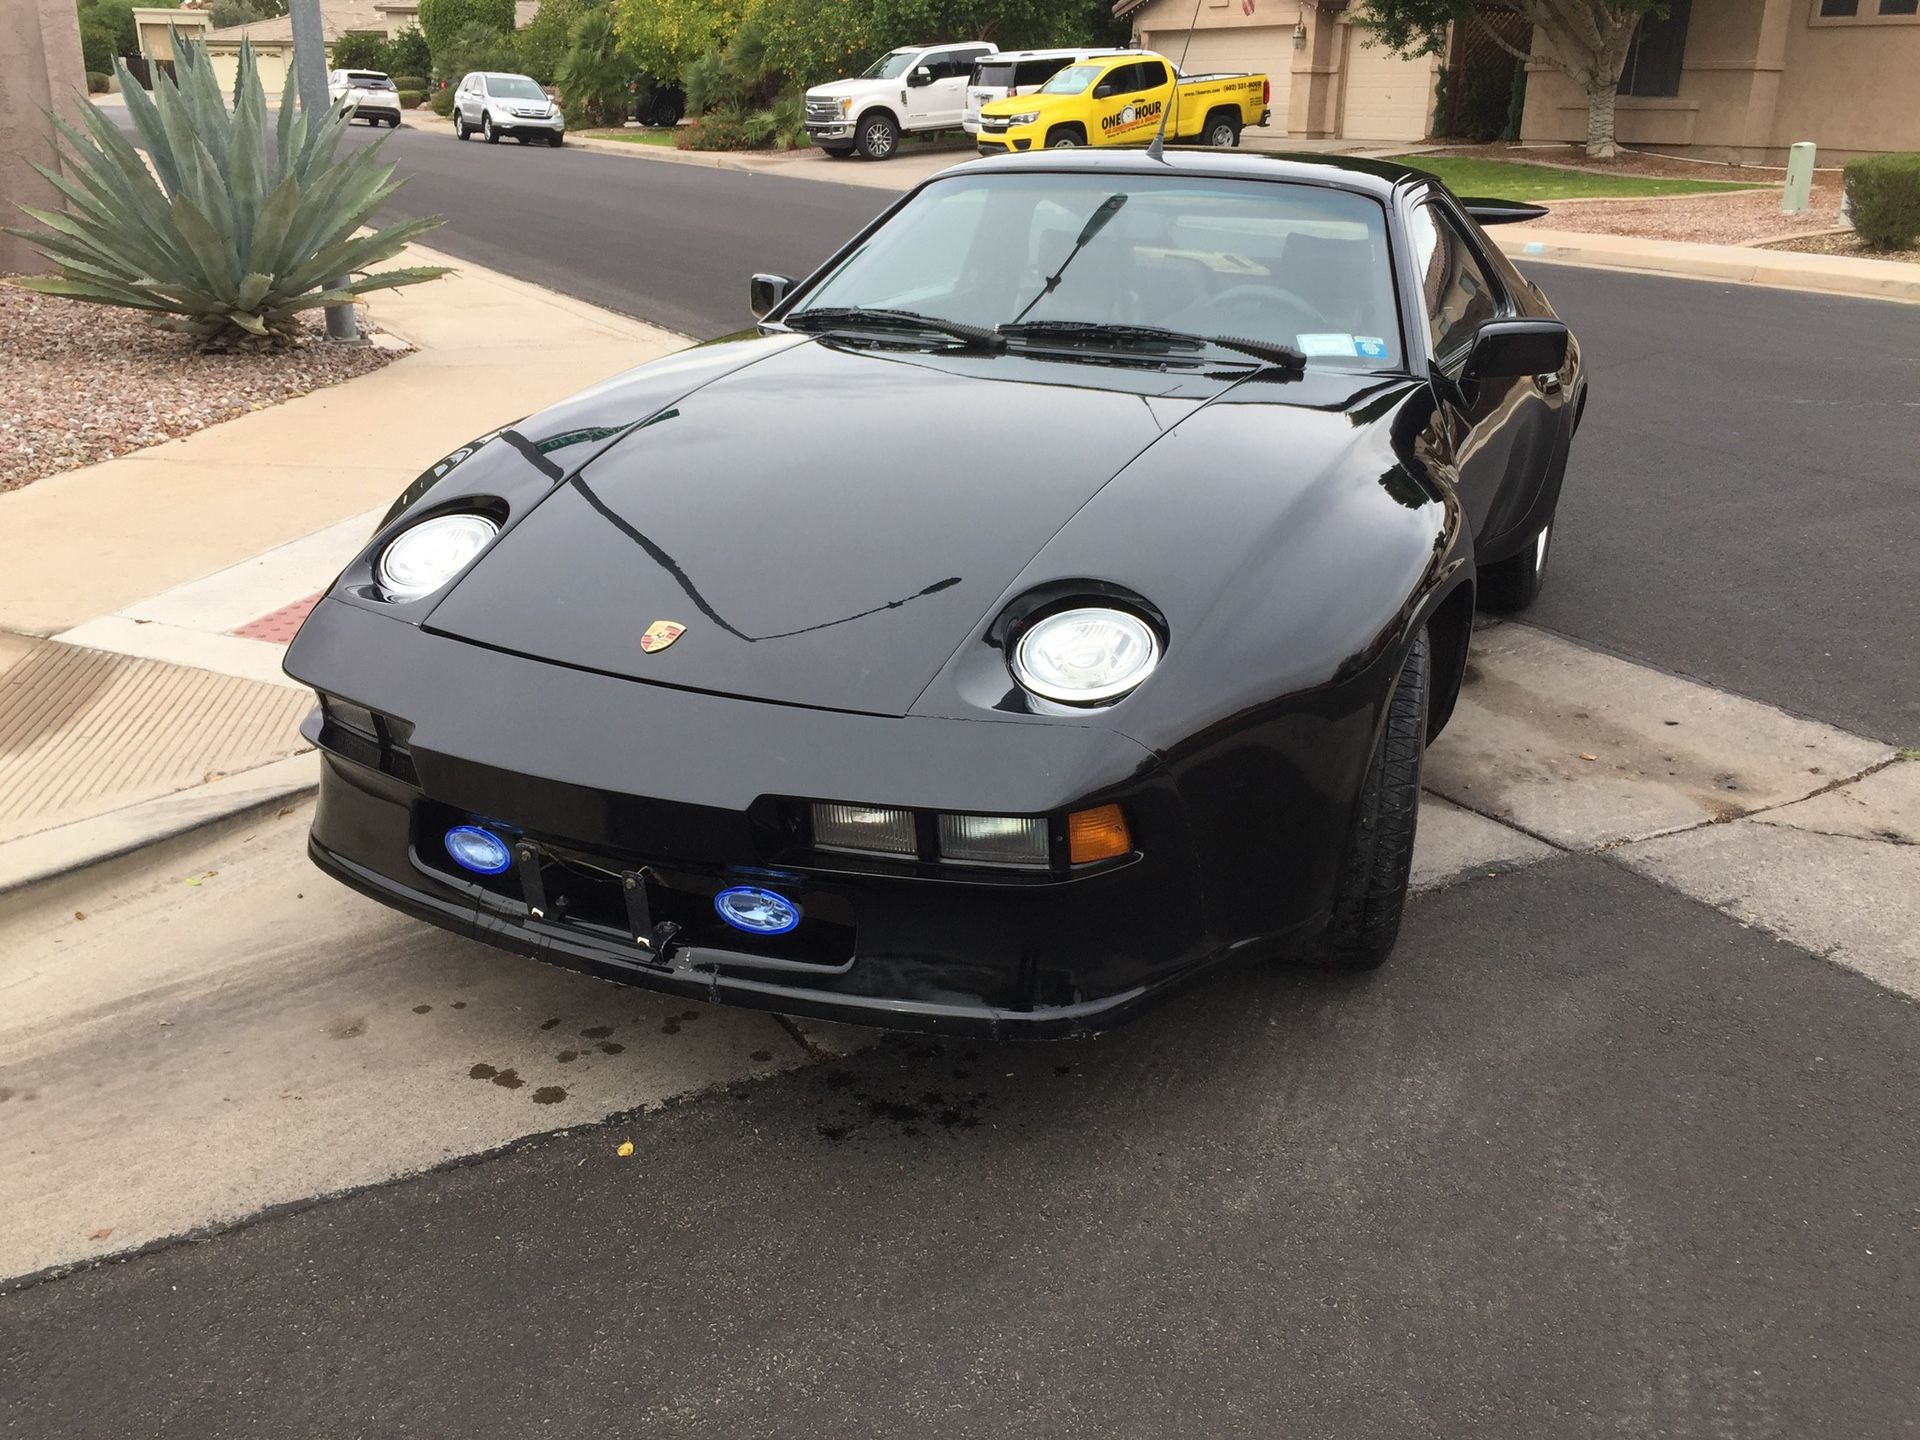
(1015, 72)
(491, 105)
(371, 93)
(916, 89)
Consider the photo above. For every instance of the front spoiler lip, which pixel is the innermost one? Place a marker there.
(696, 978)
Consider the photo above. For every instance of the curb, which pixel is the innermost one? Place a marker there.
(35, 861)
(1746, 265)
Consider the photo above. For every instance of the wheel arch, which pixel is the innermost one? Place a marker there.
(1450, 636)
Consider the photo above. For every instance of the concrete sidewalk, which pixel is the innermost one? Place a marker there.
(147, 600)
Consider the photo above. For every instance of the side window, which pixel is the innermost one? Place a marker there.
(1119, 80)
(1149, 75)
(1456, 292)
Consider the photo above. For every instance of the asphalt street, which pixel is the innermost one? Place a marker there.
(1740, 507)
(1586, 1159)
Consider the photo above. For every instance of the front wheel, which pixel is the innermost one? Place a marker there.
(487, 132)
(1379, 860)
(879, 137)
(1514, 583)
(1065, 137)
(556, 140)
(459, 127)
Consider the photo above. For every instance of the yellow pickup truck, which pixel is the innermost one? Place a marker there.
(1118, 99)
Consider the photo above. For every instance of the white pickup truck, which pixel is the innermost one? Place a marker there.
(914, 90)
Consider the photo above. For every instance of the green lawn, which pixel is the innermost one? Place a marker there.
(636, 137)
(1506, 180)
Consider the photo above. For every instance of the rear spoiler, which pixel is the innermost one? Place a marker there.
(1501, 212)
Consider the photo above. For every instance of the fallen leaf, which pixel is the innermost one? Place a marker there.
(102, 1233)
(626, 1149)
(79, 914)
(1585, 756)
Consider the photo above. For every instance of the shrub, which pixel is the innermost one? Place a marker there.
(408, 82)
(357, 50)
(409, 54)
(474, 46)
(96, 83)
(1883, 199)
(231, 252)
(442, 103)
(98, 46)
(409, 99)
(441, 20)
(721, 130)
(596, 70)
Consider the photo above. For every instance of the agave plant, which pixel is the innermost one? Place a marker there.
(235, 228)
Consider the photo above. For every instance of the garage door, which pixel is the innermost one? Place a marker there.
(1386, 97)
(1267, 49)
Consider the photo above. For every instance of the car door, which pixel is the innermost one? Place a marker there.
(1126, 112)
(948, 101)
(1503, 431)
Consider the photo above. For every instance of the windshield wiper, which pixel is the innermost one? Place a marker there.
(859, 317)
(1150, 337)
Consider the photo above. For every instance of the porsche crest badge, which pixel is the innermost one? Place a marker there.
(660, 634)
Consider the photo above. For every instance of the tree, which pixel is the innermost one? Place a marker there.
(595, 71)
(476, 45)
(1587, 40)
(542, 41)
(359, 50)
(440, 20)
(407, 54)
(664, 35)
(111, 21)
(227, 13)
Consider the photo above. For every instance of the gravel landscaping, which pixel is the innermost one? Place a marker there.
(84, 383)
(1710, 219)
(1844, 242)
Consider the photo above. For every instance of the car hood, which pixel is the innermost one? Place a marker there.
(828, 524)
(835, 89)
(1032, 100)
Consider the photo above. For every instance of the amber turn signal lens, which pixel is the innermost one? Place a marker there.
(1097, 834)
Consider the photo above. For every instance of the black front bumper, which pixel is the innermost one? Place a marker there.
(602, 778)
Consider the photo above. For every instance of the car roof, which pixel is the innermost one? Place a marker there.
(1090, 52)
(1378, 178)
(508, 75)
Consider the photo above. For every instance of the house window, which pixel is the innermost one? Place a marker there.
(1659, 46)
(1839, 7)
(1865, 12)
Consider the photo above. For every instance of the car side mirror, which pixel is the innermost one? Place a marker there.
(1101, 92)
(921, 76)
(1507, 349)
(766, 291)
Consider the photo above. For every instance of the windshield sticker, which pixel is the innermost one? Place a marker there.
(1370, 347)
(1327, 345)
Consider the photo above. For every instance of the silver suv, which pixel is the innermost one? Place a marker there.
(491, 105)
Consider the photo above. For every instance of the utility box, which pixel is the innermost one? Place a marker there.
(1798, 198)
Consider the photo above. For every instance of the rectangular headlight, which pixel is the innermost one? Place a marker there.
(994, 840)
(864, 829)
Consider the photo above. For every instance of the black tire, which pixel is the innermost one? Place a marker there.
(1222, 131)
(1373, 876)
(1514, 583)
(837, 152)
(393, 122)
(459, 127)
(877, 137)
(556, 140)
(1065, 137)
(487, 132)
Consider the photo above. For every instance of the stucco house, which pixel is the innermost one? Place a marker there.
(1329, 82)
(1742, 80)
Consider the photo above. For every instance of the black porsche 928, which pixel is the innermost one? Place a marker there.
(1050, 599)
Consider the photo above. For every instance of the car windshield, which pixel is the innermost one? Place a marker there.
(1300, 266)
(514, 87)
(889, 67)
(1073, 80)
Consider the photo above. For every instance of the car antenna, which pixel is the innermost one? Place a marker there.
(1157, 147)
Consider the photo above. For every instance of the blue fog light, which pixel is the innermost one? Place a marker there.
(480, 851)
(757, 912)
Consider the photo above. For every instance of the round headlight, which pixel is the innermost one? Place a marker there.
(1081, 657)
(426, 557)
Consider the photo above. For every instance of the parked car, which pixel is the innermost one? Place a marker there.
(493, 105)
(372, 94)
(1119, 100)
(656, 104)
(915, 90)
(1015, 72)
(688, 682)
